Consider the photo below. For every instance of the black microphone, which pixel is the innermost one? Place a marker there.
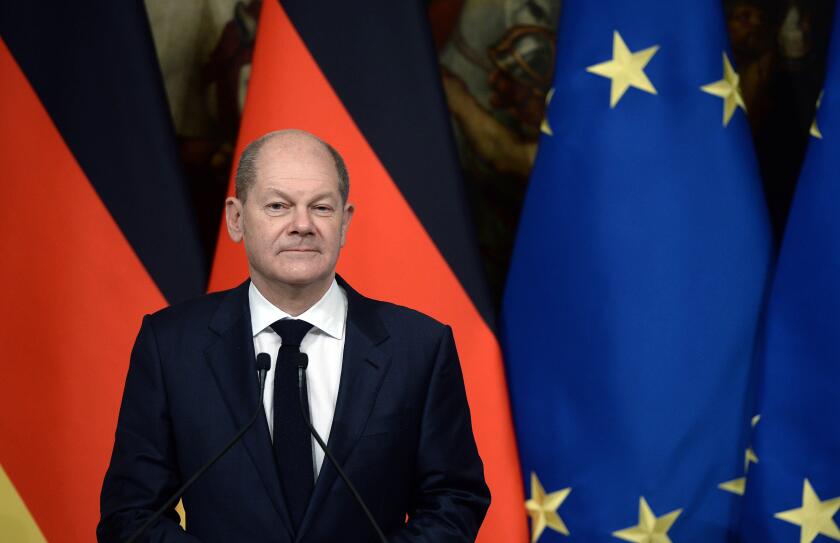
(263, 365)
(302, 363)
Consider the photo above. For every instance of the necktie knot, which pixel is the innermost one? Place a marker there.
(291, 331)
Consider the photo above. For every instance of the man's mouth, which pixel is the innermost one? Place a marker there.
(299, 250)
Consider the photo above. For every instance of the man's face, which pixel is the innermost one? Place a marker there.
(293, 221)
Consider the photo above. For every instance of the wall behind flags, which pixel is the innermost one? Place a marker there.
(118, 131)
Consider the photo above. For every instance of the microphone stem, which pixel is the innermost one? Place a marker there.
(359, 500)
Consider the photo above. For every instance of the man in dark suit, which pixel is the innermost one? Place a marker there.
(384, 383)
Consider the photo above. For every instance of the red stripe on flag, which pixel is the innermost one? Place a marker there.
(73, 298)
(388, 253)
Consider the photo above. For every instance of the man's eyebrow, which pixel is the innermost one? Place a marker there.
(328, 194)
(277, 192)
(323, 196)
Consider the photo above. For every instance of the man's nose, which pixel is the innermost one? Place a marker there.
(302, 221)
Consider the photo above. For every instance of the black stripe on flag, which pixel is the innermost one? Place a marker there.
(379, 57)
(93, 65)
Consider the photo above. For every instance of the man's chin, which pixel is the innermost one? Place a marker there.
(303, 278)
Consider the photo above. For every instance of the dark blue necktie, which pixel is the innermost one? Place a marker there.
(292, 442)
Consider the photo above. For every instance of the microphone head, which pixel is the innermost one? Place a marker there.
(263, 362)
(302, 361)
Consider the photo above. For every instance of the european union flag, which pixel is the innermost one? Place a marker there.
(633, 300)
(793, 491)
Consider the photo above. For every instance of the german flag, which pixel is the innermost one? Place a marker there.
(98, 230)
(363, 76)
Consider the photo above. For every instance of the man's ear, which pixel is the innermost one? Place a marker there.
(234, 219)
(345, 221)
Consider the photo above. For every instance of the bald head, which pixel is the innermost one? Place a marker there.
(287, 141)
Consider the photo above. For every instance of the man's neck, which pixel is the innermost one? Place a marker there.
(292, 299)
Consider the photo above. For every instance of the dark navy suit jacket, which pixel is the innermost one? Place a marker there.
(401, 430)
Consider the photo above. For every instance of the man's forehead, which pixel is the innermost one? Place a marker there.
(298, 176)
(296, 157)
(294, 145)
(288, 185)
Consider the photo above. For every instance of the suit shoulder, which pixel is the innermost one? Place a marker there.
(197, 311)
(402, 317)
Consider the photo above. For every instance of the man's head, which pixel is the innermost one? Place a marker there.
(291, 211)
(246, 171)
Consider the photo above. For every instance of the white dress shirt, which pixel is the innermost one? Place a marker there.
(324, 344)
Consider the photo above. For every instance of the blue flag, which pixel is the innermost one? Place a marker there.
(640, 267)
(793, 489)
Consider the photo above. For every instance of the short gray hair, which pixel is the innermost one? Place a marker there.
(246, 171)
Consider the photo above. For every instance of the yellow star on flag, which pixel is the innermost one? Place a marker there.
(739, 486)
(815, 517)
(545, 128)
(650, 529)
(729, 89)
(815, 130)
(542, 508)
(736, 486)
(626, 69)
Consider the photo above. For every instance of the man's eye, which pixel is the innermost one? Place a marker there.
(322, 208)
(276, 206)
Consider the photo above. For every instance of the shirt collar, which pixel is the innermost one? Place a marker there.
(328, 314)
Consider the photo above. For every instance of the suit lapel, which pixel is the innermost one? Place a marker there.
(364, 365)
(232, 361)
